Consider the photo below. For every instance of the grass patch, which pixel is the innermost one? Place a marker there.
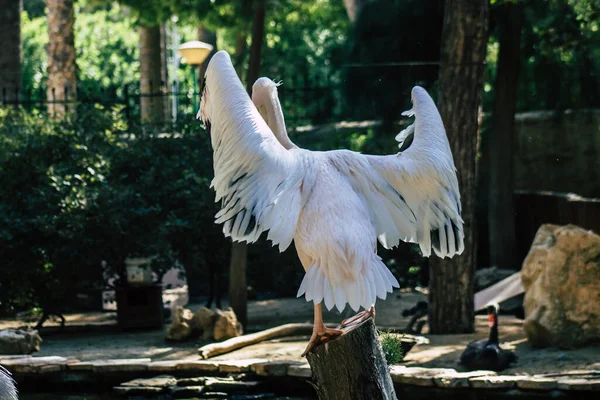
(392, 347)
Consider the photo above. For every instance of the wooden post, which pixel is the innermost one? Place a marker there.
(352, 367)
(238, 290)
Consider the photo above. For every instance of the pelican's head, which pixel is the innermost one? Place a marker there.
(264, 91)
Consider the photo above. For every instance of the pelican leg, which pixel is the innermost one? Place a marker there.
(359, 318)
(321, 333)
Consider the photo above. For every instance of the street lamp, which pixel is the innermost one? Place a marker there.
(194, 53)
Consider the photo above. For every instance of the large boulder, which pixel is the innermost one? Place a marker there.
(212, 325)
(561, 277)
(204, 322)
(181, 328)
(226, 325)
(19, 341)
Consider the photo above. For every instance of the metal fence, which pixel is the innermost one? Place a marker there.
(350, 93)
(305, 101)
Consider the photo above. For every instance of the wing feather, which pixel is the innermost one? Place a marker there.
(413, 195)
(257, 180)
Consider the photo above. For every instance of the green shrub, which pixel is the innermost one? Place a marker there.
(50, 173)
(392, 347)
(79, 196)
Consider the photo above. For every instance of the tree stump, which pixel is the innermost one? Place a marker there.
(352, 367)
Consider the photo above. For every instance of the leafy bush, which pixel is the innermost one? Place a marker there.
(79, 196)
(391, 344)
(50, 172)
(106, 45)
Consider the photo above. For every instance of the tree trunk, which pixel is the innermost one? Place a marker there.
(501, 213)
(207, 36)
(258, 32)
(164, 69)
(238, 290)
(62, 68)
(193, 274)
(352, 367)
(464, 39)
(150, 75)
(240, 50)
(353, 8)
(10, 56)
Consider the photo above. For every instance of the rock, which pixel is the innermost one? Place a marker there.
(418, 376)
(204, 322)
(495, 382)
(121, 365)
(163, 366)
(18, 341)
(272, 368)
(238, 366)
(229, 386)
(161, 381)
(536, 383)
(486, 277)
(138, 391)
(459, 379)
(197, 381)
(226, 325)
(181, 328)
(198, 366)
(182, 392)
(561, 277)
(45, 369)
(35, 364)
(579, 384)
(300, 370)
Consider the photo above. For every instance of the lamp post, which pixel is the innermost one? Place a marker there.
(194, 53)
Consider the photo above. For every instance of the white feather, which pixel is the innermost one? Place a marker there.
(335, 205)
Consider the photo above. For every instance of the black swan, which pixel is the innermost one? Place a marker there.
(487, 354)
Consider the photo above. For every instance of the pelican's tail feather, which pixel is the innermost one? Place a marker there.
(374, 280)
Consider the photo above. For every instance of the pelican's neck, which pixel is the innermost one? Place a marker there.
(276, 121)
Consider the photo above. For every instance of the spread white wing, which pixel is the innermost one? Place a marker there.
(8, 389)
(413, 195)
(256, 179)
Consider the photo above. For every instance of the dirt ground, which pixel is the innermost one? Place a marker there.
(102, 340)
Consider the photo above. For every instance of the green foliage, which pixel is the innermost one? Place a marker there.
(35, 8)
(106, 45)
(149, 12)
(34, 36)
(560, 59)
(391, 344)
(82, 193)
(50, 172)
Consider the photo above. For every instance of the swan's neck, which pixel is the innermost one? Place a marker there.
(276, 122)
(493, 319)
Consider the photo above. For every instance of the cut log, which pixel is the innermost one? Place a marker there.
(215, 349)
(352, 367)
